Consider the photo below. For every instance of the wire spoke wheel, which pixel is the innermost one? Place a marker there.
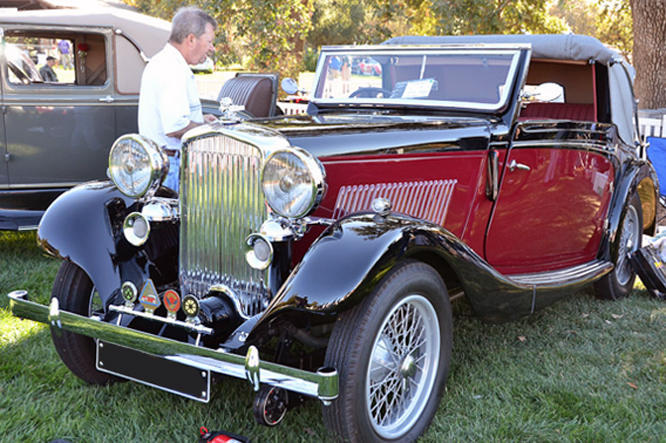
(393, 353)
(403, 365)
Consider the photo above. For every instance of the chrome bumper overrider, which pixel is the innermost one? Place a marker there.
(322, 384)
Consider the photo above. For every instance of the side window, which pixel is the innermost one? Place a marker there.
(55, 59)
(560, 90)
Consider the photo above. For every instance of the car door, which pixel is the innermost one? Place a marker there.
(553, 199)
(58, 134)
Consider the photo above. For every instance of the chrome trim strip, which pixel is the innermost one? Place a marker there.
(15, 187)
(322, 384)
(563, 276)
(561, 144)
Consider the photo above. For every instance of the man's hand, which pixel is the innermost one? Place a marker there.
(209, 118)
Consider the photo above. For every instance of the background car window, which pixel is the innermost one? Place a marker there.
(20, 67)
(78, 59)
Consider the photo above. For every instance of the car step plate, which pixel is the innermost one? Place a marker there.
(155, 371)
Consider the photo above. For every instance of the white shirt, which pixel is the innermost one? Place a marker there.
(168, 100)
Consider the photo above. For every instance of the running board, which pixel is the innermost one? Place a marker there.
(582, 273)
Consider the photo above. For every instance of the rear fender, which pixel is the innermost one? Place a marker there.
(637, 176)
(349, 259)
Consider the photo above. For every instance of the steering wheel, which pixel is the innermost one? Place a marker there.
(370, 92)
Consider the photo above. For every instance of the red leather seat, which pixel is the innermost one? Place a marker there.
(559, 111)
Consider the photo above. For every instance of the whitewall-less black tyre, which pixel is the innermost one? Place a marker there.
(393, 354)
(76, 293)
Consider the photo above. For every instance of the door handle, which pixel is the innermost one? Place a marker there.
(107, 99)
(515, 165)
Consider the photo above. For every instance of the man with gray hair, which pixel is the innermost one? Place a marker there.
(169, 103)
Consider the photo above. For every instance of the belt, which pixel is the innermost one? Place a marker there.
(172, 152)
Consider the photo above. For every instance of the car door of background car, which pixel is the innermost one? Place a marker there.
(59, 134)
(553, 199)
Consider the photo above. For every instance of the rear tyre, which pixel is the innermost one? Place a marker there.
(393, 353)
(619, 282)
(77, 294)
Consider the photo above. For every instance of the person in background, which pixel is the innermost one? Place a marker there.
(169, 104)
(47, 72)
(65, 49)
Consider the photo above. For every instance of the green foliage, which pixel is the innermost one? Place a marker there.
(310, 58)
(337, 22)
(615, 26)
(266, 35)
(608, 20)
(459, 17)
(274, 32)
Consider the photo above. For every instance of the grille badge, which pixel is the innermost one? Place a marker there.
(149, 298)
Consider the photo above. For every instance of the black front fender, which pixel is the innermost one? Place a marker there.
(349, 259)
(81, 226)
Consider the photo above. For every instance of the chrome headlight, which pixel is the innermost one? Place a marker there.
(137, 165)
(293, 181)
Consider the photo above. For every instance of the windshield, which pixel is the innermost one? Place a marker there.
(472, 79)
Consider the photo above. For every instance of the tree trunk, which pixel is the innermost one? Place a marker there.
(649, 54)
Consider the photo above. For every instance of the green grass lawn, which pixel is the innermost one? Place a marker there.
(583, 370)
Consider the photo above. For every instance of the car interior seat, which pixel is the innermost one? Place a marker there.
(256, 92)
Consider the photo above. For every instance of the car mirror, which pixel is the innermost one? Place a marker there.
(289, 85)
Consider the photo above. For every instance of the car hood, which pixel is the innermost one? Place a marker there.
(362, 134)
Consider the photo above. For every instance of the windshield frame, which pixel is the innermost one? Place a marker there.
(513, 50)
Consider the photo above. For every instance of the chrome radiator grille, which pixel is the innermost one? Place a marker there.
(221, 204)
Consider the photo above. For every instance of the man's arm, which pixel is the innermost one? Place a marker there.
(208, 118)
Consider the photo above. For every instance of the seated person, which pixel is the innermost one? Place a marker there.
(47, 72)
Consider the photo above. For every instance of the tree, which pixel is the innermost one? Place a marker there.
(264, 35)
(579, 16)
(649, 55)
(614, 25)
(457, 17)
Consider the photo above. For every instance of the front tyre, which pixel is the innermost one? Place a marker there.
(393, 354)
(77, 294)
(620, 281)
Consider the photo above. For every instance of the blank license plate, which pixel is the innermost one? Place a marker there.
(154, 371)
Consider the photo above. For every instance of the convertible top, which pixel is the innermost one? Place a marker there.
(548, 46)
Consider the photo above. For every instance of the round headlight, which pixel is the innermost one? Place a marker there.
(137, 165)
(293, 182)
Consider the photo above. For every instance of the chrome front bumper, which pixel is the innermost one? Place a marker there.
(322, 384)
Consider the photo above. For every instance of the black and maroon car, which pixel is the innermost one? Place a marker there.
(316, 255)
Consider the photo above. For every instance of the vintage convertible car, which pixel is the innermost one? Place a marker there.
(316, 255)
(57, 135)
